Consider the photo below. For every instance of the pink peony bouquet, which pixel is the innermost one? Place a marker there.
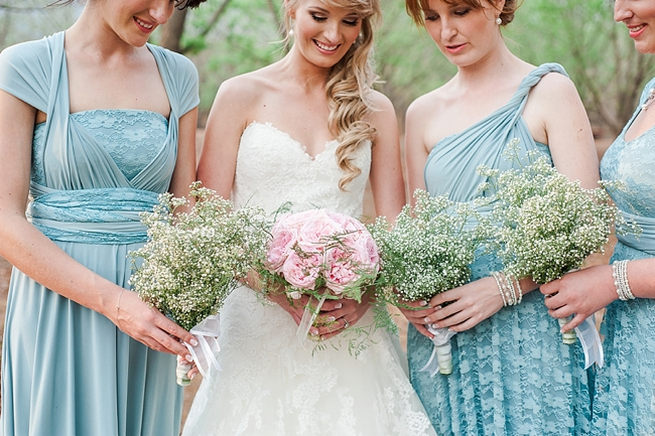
(325, 255)
(318, 250)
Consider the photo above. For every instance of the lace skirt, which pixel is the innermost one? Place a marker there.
(270, 384)
(624, 397)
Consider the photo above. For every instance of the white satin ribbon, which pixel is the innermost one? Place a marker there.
(591, 344)
(307, 320)
(205, 353)
(441, 359)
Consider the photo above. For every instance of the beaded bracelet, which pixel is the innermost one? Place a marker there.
(509, 288)
(620, 275)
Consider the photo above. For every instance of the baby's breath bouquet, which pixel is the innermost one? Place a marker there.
(547, 224)
(193, 259)
(428, 250)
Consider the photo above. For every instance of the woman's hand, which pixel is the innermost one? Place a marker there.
(581, 293)
(467, 306)
(148, 326)
(416, 313)
(334, 316)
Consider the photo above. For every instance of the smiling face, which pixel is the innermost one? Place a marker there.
(323, 31)
(639, 17)
(134, 20)
(464, 34)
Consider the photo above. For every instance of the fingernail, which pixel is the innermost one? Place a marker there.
(193, 376)
(331, 319)
(437, 307)
(189, 358)
(194, 342)
(426, 320)
(338, 306)
(313, 331)
(423, 303)
(435, 326)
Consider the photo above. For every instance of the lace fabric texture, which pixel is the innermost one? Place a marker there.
(268, 383)
(512, 375)
(624, 402)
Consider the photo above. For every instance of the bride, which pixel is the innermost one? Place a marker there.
(308, 130)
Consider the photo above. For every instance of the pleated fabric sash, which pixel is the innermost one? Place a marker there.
(91, 216)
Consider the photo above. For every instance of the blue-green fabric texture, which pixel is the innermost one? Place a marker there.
(512, 375)
(624, 401)
(68, 370)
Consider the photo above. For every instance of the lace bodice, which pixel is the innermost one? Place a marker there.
(132, 138)
(274, 168)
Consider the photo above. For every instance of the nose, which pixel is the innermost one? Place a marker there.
(621, 10)
(331, 31)
(448, 29)
(161, 10)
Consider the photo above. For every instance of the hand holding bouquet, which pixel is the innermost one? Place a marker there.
(427, 251)
(192, 262)
(547, 224)
(323, 254)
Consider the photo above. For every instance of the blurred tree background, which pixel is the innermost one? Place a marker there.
(229, 37)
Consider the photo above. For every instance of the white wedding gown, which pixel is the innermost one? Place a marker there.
(268, 383)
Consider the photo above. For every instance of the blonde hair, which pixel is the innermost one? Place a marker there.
(348, 87)
(416, 8)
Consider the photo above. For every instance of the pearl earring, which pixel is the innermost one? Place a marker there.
(290, 32)
(499, 21)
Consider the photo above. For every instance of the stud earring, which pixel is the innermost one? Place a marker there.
(499, 21)
(290, 32)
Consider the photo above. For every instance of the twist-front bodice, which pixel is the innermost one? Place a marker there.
(273, 169)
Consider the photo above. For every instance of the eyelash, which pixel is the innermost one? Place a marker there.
(435, 17)
(349, 22)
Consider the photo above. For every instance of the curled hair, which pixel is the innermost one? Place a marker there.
(348, 88)
(416, 8)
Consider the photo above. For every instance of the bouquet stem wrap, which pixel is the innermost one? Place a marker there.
(308, 318)
(441, 359)
(204, 354)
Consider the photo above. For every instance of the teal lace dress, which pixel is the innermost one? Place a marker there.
(512, 375)
(67, 370)
(624, 401)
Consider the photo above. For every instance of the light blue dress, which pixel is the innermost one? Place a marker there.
(512, 375)
(624, 401)
(67, 370)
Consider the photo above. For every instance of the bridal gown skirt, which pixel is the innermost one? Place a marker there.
(269, 384)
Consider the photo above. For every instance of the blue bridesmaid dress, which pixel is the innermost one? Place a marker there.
(511, 373)
(624, 398)
(67, 370)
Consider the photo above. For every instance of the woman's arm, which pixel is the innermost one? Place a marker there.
(39, 258)
(586, 291)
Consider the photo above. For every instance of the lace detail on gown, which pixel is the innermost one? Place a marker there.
(270, 385)
(624, 402)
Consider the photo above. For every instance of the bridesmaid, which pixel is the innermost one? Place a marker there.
(512, 373)
(94, 124)
(624, 402)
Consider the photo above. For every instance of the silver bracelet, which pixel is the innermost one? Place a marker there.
(501, 290)
(620, 275)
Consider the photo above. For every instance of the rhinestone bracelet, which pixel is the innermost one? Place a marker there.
(620, 275)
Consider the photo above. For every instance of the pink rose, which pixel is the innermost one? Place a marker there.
(302, 272)
(280, 247)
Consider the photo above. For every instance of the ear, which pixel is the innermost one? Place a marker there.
(498, 4)
(289, 10)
